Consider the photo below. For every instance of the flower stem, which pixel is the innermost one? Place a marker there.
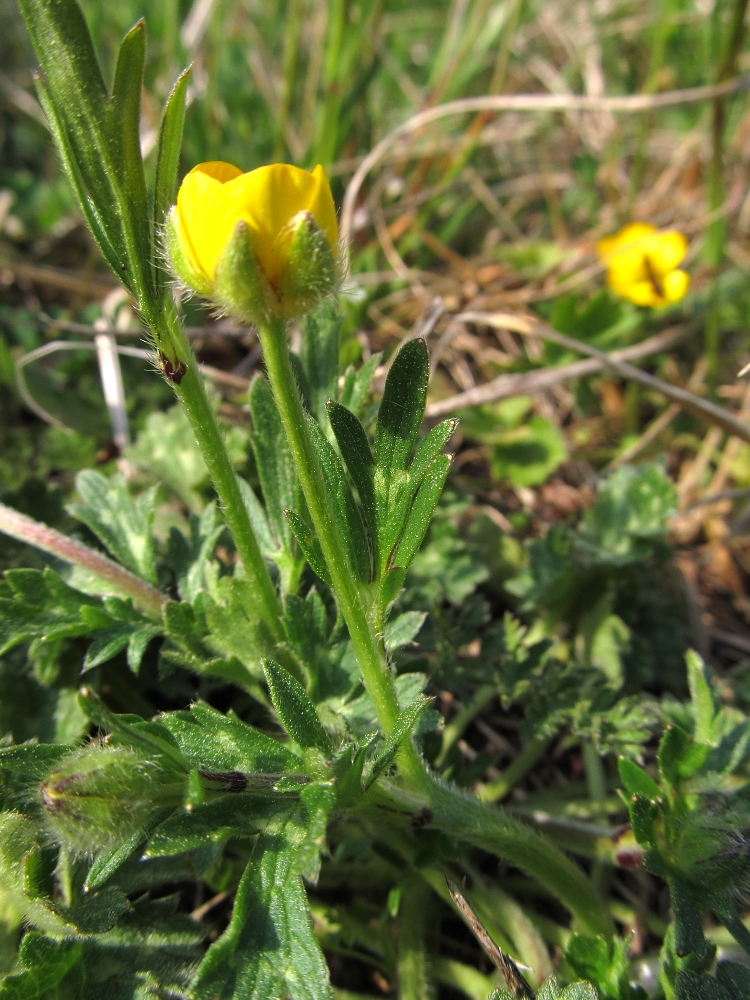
(369, 649)
(191, 392)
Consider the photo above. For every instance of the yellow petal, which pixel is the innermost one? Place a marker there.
(641, 293)
(323, 210)
(270, 197)
(666, 251)
(206, 219)
(627, 267)
(632, 237)
(675, 284)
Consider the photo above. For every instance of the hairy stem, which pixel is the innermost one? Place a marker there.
(493, 830)
(369, 649)
(25, 529)
(189, 388)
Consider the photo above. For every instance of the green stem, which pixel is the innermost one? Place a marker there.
(413, 968)
(430, 801)
(369, 649)
(191, 392)
(492, 830)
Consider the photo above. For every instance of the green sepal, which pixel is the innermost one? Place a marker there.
(422, 510)
(295, 710)
(309, 273)
(241, 287)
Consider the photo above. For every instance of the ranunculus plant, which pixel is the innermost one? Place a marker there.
(197, 793)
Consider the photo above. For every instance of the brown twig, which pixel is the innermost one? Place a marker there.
(515, 981)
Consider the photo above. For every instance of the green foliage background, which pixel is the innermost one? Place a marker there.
(227, 845)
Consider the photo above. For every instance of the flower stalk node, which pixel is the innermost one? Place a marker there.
(174, 371)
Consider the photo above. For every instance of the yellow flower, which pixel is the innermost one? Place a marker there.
(259, 244)
(642, 264)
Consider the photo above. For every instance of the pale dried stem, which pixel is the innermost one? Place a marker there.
(123, 582)
(530, 383)
(529, 327)
(524, 102)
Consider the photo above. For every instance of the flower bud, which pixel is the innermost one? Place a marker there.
(100, 796)
(258, 245)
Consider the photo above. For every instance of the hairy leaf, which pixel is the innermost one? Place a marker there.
(121, 523)
(296, 711)
(269, 950)
(278, 479)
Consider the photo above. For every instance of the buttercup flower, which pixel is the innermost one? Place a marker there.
(642, 264)
(259, 245)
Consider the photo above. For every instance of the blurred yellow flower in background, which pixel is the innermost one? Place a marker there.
(258, 244)
(642, 264)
